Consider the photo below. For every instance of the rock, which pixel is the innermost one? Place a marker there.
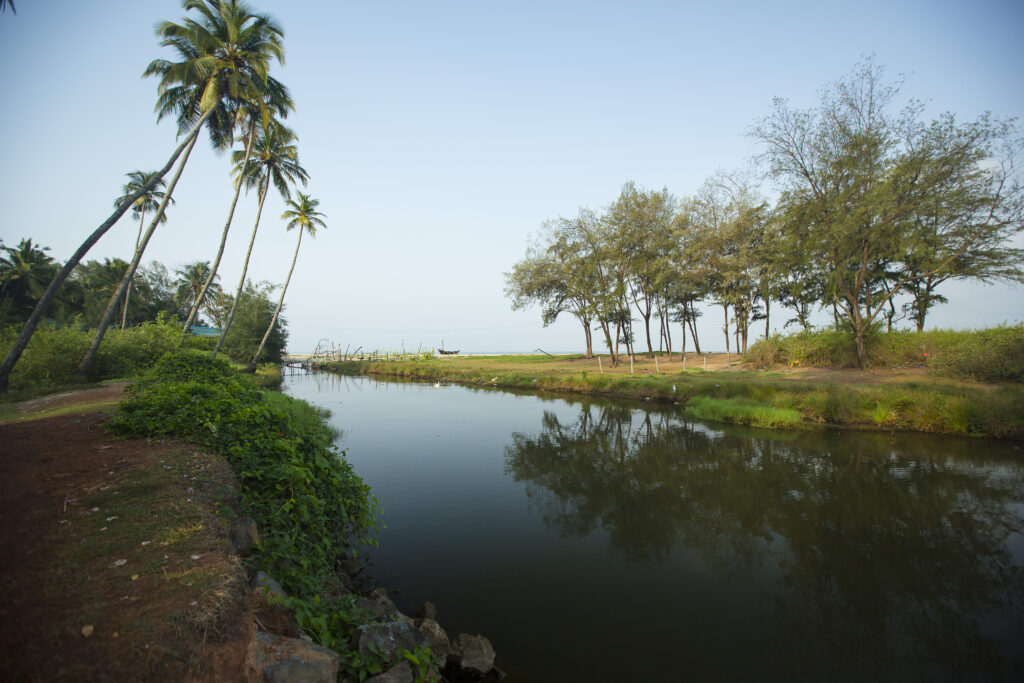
(388, 639)
(407, 619)
(400, 673)
(244, 536)
(262, 580)
(427, 611)
(380, 609)
(276, 659)
(438, 639)
(351, 565)
(471, 655)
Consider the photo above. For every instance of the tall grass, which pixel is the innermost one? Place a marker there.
(995, 354)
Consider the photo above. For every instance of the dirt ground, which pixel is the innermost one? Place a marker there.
(114, 563)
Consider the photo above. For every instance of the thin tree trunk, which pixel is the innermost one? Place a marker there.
(277, 311)
(693, 328)
(29, 328)
(108, 315)
(223, 237)
(245, 269)
(128, 292)
(725, 307)
(767, 316)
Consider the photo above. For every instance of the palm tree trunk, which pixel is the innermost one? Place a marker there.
(108, 315)
(277, 311)
(245, 268)
(128, 292)
(29, 328)
(223, 238)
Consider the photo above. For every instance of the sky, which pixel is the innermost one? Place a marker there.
(439, 136)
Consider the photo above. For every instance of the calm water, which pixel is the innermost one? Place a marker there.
(600, 541)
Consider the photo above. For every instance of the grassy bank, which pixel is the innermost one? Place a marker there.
(310, 506)
(764, 399)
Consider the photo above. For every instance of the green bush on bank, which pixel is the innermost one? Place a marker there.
(995, 354)
(53, 354)
(310, 505)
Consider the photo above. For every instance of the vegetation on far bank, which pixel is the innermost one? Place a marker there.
(930, 402)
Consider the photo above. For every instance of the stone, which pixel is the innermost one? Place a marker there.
(379, 609)
(438, 639)
(262, 581)
(276, 659)
(244, 536)
(388, 639)
(351, 565)
(400, 673)
(427, 611)
(471, 655)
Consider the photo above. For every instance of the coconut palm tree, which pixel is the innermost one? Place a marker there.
(190, 281)
(149, 201)
(4, 4)
(25, 271)
(275, 103)
(225, 61)
(301, 214)
(275, 160)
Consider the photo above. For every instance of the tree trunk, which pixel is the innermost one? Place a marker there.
(606, 328)
(589, 338)
(693, 326)
(767, 317)
(245, 269)
(277, 311)
(223, 237)
(29, 328)
(725, 307)
(108, 315)
(128, 292)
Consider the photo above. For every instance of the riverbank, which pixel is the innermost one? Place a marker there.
(905, 399)
(143, 558)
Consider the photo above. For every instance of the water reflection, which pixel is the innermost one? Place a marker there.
(894, 562)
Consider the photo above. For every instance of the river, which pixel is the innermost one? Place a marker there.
(604, 541)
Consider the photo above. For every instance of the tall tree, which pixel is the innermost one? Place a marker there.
(276, 160)
(302, 214)
(190, 286)
(148, 201)
(226, 57)
(859, 176)
(275, 103)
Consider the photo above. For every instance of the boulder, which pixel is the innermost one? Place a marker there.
(351, 565)
(276, 659)
(400, 673)
(381, 609)
(438, 639)
(244, 535)
(388, 639)
(471, 655)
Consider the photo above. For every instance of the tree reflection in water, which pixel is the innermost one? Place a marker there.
(895, 561)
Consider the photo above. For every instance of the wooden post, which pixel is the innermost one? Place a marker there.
(599, 365)
(705, 363)
(631, 364)
(656, 368)
(684, 362)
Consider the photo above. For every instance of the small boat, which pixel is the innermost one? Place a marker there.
(447, 353)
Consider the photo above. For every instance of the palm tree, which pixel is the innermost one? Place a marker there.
(25, 271)
(190, 285)
(4, 4)
(149, 201)
(276, 102)
(276, 160)
(225, 61)
(301, 214)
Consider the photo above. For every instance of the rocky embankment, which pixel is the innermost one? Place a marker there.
(385, 635)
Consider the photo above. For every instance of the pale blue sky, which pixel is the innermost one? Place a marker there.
(440, 135)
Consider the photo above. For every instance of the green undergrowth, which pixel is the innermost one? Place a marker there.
(762, 400)
(310, 505)
(995, 354)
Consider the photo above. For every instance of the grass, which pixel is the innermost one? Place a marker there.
(927, 404)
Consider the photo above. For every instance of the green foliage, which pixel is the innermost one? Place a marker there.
(995, 354)
(252, 317)
(742, 411)
(52, 355)
(309, 503)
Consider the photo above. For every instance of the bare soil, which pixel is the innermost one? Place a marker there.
(114, 563)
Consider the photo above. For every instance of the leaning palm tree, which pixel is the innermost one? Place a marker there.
(276, 160)
(275, 102)
(149, 201)
(226, 58)
(25, 271)
(301, 214)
